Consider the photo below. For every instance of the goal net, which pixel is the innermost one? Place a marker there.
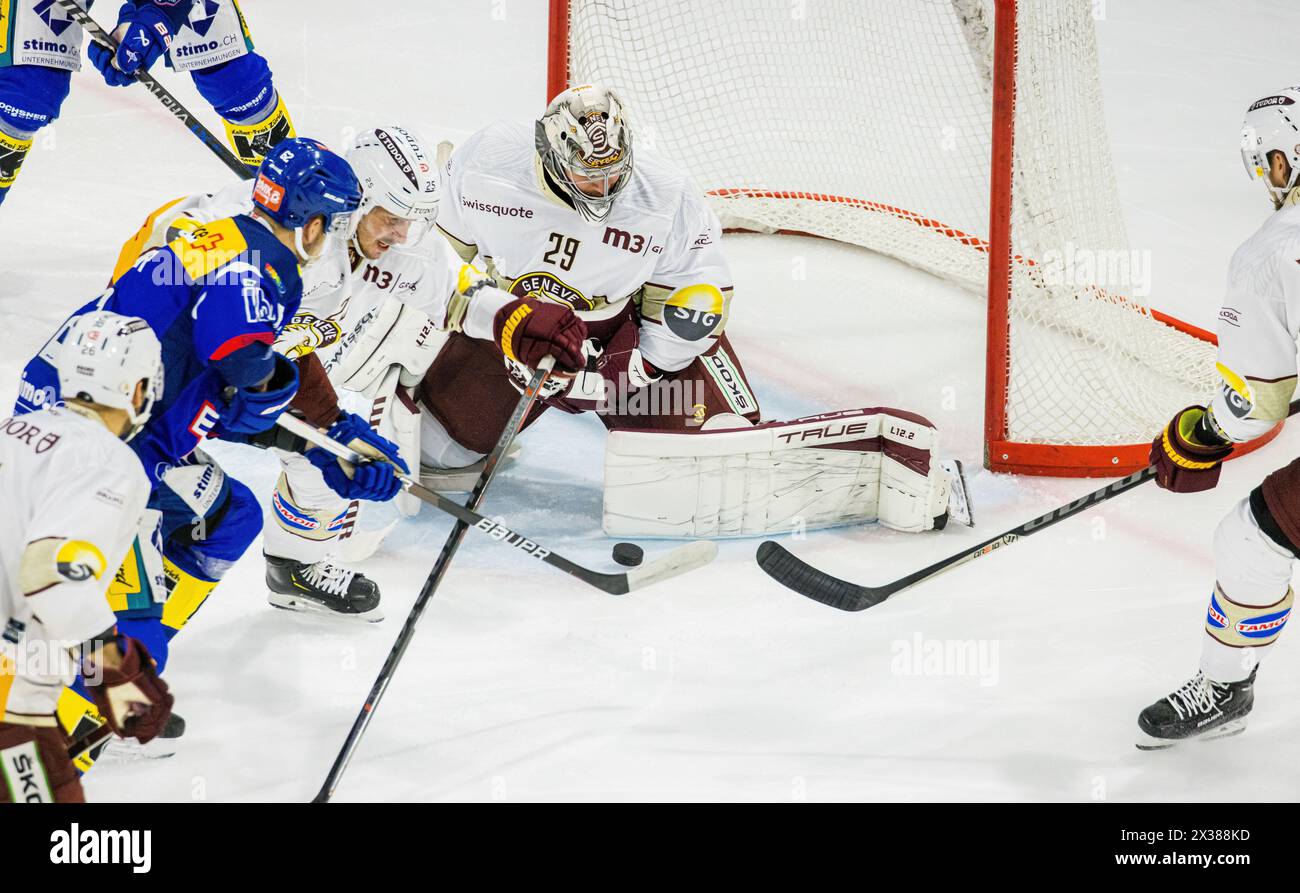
(964, 137)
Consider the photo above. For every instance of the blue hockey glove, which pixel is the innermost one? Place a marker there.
(147, 36)
(376, 481)
(250, 412)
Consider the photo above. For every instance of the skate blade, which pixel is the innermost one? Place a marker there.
(1227, 730)
(307, 606)
(129, 750)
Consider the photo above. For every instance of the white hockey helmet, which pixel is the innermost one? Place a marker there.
(1272, 125)
(584, 138)
(399, 173)
(104, 357)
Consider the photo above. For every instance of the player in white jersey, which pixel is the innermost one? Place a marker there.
(564, 214)
(394, 272)
(1257, 542)
(74, 496)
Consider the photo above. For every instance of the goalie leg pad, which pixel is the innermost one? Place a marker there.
(837, 468)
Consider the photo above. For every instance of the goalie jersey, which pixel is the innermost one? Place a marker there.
(658, 250)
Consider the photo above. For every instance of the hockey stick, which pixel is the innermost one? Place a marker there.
(171, 103)
(787, 569)
(680, 560)
(362, 722)
(97, 736)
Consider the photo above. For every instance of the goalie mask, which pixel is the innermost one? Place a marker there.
(585, 147)
(1272, 125)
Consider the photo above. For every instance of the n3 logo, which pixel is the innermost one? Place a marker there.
(382, 279)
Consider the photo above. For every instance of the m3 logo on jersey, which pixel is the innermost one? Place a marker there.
(77, 560)
(548, 287)
(634, 242)
(694, 312)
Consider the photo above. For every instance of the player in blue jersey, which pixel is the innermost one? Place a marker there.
(40, 48)
(217, 298)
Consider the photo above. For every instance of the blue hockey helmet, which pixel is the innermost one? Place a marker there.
(301, 179)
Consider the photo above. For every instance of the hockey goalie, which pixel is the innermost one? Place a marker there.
(619, 253)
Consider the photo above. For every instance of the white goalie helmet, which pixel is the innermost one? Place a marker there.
(1272, 125)
(104, 357)
(585, 146)
(399, 173)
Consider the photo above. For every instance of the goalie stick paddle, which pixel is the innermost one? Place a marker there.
(790, 571)
(680, 560)
(362, 722)
(170, 102)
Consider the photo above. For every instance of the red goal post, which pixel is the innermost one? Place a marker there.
(1043, 338)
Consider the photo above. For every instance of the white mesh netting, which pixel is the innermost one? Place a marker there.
(869, 122)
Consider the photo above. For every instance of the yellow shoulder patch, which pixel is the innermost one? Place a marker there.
(209, 247)
(53, 560)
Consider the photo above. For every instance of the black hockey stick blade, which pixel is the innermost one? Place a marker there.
(680, 560)
(792, 572)
(781, 565)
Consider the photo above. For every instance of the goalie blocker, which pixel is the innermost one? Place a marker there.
(843, 467)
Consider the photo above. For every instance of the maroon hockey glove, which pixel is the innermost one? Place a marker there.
(1183, 463)
(527, 331)
(131, 698)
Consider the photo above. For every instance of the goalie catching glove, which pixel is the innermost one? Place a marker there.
(616, 371)
(376, 481)
(1188, 455)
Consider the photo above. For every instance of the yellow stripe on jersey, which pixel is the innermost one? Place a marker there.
(143, 239)
(53, 560)
(6, 19)
(1270, 401)
(1235, 381)
(8, 672)
(209, 247)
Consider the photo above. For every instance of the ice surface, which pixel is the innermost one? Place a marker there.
(524, 685)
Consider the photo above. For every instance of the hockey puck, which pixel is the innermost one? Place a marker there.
(628, 554)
